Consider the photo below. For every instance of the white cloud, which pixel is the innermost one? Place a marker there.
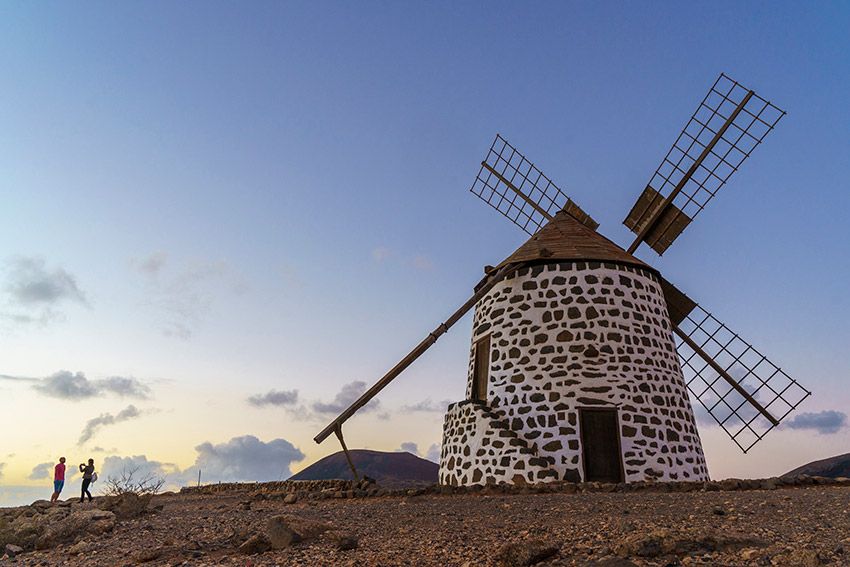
(75, 386)
(183, 295)
(33, 292)
(246, 458)
(432, 454)
(93, 425)
(823, 422)
(344, 398)
(41, 471)
(428, 405)
(274, 398)
(153, 264)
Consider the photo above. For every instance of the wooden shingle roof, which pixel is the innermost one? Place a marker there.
(565, 238)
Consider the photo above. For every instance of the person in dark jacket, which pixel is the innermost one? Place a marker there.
(88, 475)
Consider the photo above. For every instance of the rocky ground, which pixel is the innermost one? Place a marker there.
(602, 525)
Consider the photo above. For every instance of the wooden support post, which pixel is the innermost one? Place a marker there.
(653, 220)
(416, 352)
(338, 431)
(723, 374)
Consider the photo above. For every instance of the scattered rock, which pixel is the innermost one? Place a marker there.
(344, 541)
(13, 550)
(290, 499)
(526, 552)
(280, 534)
(81, 546)
(148, 554)
(257, 543)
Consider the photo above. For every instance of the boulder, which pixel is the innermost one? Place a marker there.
(127, 505)
(76, 525)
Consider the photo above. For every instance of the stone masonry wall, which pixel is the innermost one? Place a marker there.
(584, 335)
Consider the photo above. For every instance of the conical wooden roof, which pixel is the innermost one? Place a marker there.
(565, 238)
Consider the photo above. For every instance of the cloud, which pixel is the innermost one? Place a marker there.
(104, 419)
(242, 459)
(2, 466)
(66, 385)
(182, 295)
(428, 405)
(153, 264)
(33, 292)
(17, 378)
(380, 254)
(274, 398)
(114, 466)
(246, 458)
(423, 263)
(824, 422)
(41, 471)
(432, 454)
(344, 398)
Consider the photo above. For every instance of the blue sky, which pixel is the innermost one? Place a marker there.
(258, 196)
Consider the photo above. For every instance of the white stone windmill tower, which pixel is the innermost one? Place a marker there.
(583, 355)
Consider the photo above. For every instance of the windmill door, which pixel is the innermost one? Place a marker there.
(600, 442)
(481, 369)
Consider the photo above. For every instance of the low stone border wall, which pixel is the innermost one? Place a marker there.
(286, 486)
(294, 490)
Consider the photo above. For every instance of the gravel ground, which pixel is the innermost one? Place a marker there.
(793, 526)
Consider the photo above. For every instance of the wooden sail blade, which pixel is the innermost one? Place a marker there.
(729, 123)
(335, 426)
(744, 392)
(511, 184)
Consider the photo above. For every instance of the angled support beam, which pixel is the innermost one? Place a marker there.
(338, 431)
(336, 424)
(653, 220)
(516, 190)
(723, 374)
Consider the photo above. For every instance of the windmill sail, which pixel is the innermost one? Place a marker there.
(729, 123)
(745, 393)
(511, 184)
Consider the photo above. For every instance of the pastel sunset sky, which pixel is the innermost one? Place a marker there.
(220, 222)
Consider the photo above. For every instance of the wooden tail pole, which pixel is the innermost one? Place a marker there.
(723, 374)
(432, 337)
(653, 220)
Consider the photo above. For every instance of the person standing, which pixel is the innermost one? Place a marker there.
(58, 479)
(88, 476)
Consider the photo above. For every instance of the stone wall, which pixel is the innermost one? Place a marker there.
(566, 336)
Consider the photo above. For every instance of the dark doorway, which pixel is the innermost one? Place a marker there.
(600, 445)
(481, 369)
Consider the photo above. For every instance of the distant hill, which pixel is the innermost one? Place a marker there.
(832, 467)
(391, 470)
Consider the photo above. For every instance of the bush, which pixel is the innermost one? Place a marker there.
(131, 481)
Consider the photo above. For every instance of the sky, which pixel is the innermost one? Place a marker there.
(222, 221)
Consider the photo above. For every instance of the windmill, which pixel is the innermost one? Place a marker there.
(584, 359)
